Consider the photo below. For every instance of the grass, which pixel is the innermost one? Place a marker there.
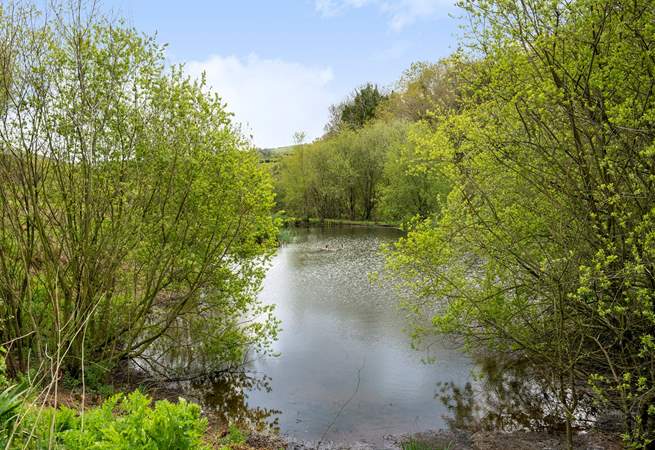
(413, 444)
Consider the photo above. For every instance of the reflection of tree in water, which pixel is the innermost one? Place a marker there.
(508, 396)
(227, 395)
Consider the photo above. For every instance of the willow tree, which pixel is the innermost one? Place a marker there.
(546, 249)
(340, 176)
(134, 219)
(411, 189)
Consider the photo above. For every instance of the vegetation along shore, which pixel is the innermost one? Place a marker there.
(508, 189)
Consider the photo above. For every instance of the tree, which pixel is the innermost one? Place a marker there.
(339, 176)
(134, 220)
(367, 152)
(412, 188)
(355, 111)
(426, 91)
(545, 250)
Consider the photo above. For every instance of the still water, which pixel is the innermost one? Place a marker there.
(344, 342)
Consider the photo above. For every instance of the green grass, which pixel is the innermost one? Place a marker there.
(234, 437)
(417, 445)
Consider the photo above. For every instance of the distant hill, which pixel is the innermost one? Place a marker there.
(273, 153)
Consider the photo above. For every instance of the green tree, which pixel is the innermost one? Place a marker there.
(293, 181)
(545, 251)
(355, 111)
(426, 91)
(134, 219)
(367, 152)
(411, 187)
(340, 176)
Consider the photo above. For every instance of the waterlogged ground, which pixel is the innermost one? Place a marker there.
(346, 371)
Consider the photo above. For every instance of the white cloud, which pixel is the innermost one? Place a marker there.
(272, 98)
(334, 7)
(401, 13)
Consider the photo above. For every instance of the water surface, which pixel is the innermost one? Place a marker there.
(344, 342)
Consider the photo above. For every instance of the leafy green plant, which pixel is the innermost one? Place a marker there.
(544, 247)
(234, 436)
(11, 400)
(121, 422)
(168, 260)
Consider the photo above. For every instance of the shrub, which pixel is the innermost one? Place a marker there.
(121, 422)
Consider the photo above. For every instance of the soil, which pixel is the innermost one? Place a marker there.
(461, 440)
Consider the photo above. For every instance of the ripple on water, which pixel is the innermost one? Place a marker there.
(340, 331)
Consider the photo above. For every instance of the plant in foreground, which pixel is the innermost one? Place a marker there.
(121, 422)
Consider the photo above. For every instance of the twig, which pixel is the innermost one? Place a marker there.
(327, 430)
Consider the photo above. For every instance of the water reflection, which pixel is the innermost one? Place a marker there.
(347, 368)
(226, 393)
(509, 395)
(343, 336)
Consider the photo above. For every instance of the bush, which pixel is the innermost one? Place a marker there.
(166, 260)
(121, 422)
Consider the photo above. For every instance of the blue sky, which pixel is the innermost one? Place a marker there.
(279, 64)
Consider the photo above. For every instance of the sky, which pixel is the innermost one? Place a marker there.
(280, 64)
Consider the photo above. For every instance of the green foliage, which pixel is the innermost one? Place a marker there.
(234, 436)
(412, 188)
(356, 111)
(11, 401)
(413, 444)
(3, 368)
(135, 221)
(374, 167)
(544, 248)
(425, 92)
(285, 236)
(340, 176)
(95, 377)
(121, 422)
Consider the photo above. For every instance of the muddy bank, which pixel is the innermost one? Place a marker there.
(461, 440)
(431, 440)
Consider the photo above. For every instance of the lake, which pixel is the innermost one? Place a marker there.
(346, 370)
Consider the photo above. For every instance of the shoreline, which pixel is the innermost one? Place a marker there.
(426, 440)
(467, 440)
(316, 222)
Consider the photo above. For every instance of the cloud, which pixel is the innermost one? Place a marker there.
(401, 13)
(331, 8)
(271, 98)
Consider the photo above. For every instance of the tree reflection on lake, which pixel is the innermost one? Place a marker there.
(226, 394)
(507, 395)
